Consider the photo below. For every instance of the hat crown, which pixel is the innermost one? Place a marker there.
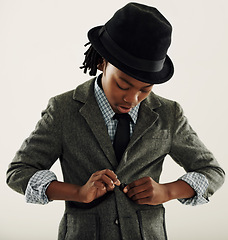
(140, 30)
(135, 40)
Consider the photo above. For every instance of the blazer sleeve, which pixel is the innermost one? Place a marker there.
(189, 152)
(39, 151)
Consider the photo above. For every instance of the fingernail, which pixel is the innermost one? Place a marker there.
(117, 182)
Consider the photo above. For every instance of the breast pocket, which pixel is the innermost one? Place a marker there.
(82, 227)
(156, 139)
(161, 140)
(152, 223)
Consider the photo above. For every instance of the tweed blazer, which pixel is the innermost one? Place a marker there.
(72, 130)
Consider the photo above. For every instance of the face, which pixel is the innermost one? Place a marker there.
(122, 91)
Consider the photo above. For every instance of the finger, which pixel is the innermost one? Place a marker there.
(137, 190)
(144, 201)
(100, 185)
(138, 182)
(110, 174)
(142, 195)
(132, 190)
(106, 180)
(113, 176)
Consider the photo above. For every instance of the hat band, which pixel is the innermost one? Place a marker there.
(126, 58)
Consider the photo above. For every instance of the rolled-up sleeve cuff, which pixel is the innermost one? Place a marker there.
(200, 184)
(37, 185)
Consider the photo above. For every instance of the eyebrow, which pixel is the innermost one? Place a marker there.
(132, 84)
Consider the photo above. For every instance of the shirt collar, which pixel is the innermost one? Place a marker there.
(106, 108)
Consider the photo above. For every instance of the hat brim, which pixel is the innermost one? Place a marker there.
(148, 77)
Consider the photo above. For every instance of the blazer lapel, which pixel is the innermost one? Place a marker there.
(93, 116)
(146, 119)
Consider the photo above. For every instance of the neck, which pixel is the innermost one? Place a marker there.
(99, 81)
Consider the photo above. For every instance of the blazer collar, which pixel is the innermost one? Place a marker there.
(83, 91)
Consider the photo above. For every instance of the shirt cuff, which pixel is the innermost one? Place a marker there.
(200, 184)
(37, 185)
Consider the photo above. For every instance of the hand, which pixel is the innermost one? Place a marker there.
(147, 191)
(98, 184)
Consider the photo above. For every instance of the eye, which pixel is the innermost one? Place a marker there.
(121, 87)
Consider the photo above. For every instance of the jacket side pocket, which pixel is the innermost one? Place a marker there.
(152, 223)
(82, 226)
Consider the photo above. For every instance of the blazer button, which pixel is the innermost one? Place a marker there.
(117, 222)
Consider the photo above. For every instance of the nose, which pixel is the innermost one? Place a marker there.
(131, 98)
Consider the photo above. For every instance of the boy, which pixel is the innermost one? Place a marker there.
(112, 134)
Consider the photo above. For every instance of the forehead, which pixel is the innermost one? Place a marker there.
(121, 76)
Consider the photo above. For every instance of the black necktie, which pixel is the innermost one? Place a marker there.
(122, 136)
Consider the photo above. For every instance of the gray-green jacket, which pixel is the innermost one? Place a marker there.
(72, 129)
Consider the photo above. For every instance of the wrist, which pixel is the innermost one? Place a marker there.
(167, 192)
(63, 191)
(80, 195)
(179, 189)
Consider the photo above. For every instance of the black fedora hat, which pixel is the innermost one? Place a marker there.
(136, 40)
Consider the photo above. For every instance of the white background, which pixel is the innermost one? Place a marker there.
(41, 49)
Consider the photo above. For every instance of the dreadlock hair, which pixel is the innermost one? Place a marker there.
(92, 59)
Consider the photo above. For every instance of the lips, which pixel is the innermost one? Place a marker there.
(124, 109)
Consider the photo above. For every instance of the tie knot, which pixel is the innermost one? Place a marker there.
(123, 116)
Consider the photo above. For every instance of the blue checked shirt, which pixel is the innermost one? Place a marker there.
(38, 183)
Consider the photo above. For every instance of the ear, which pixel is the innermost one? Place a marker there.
(102, 65)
